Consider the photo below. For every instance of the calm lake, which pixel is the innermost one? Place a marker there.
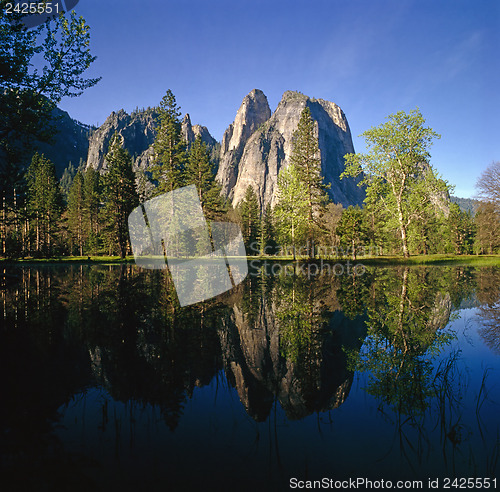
(107, 384)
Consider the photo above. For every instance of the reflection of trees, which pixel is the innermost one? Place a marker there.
(40, 370)
(143, 347)
(417, 391)
(284, 342)
(488, 296)
(406, 313)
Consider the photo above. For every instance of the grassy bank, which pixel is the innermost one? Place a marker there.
(472, 260)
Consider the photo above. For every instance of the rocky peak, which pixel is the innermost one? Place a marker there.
(138, 132)
(253, 112)
(187, 129)
(190, 132)
(269, 147)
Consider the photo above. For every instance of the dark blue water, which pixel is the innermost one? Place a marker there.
(108, 385)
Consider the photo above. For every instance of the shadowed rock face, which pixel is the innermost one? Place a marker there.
(138, 131)
(255, 159)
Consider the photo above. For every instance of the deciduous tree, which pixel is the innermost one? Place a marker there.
(30, 91)
(396, 169)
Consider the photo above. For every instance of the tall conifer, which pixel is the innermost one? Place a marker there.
(307, 161)
(169, 147)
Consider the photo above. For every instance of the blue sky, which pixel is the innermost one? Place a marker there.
(371, 57)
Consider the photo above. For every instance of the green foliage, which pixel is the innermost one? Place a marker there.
(306, 160)
(121, 196)
(169, 147)
(466, 204)
(400, 183)
(291, 211)
(352, 230)
(91, 209)
(44, 203)
(30, 91)
(487, 221)
(249, 212)
(406, 313)
(461, 230)
(200, 172)
(267, 234)
(76, 219)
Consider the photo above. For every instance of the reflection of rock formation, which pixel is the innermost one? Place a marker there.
(255, 366)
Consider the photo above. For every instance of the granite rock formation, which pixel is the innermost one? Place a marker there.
(255, 148)
(138, 131)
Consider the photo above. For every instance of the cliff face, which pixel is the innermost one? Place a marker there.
(138, 131)
(254, 148)
(71, 142)
(253, 112)
(254, 158)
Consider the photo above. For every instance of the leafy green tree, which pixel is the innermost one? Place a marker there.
(44, 202)
(250, 220)
(199, 171)
(396, 169)
(307, 161)
(39, 67)
(352, 229)
(406, 313)
(121, 195)
(291, 211)
(169, 147)
(76, 219)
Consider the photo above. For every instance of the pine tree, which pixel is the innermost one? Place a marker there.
(461, 230)
(92, 205)
(169, 147)
(199, 171)
(307, 161)
(76, 219)
(44, 202)
(121, 195)
(267, 242)
(250, 220)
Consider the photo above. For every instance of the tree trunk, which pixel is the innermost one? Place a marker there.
(402, 227)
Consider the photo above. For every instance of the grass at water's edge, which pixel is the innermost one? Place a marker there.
(479, 260)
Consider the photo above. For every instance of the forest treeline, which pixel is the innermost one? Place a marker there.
(407, 209)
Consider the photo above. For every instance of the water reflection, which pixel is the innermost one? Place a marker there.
(284, 342)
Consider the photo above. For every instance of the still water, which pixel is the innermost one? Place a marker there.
(107, 384)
